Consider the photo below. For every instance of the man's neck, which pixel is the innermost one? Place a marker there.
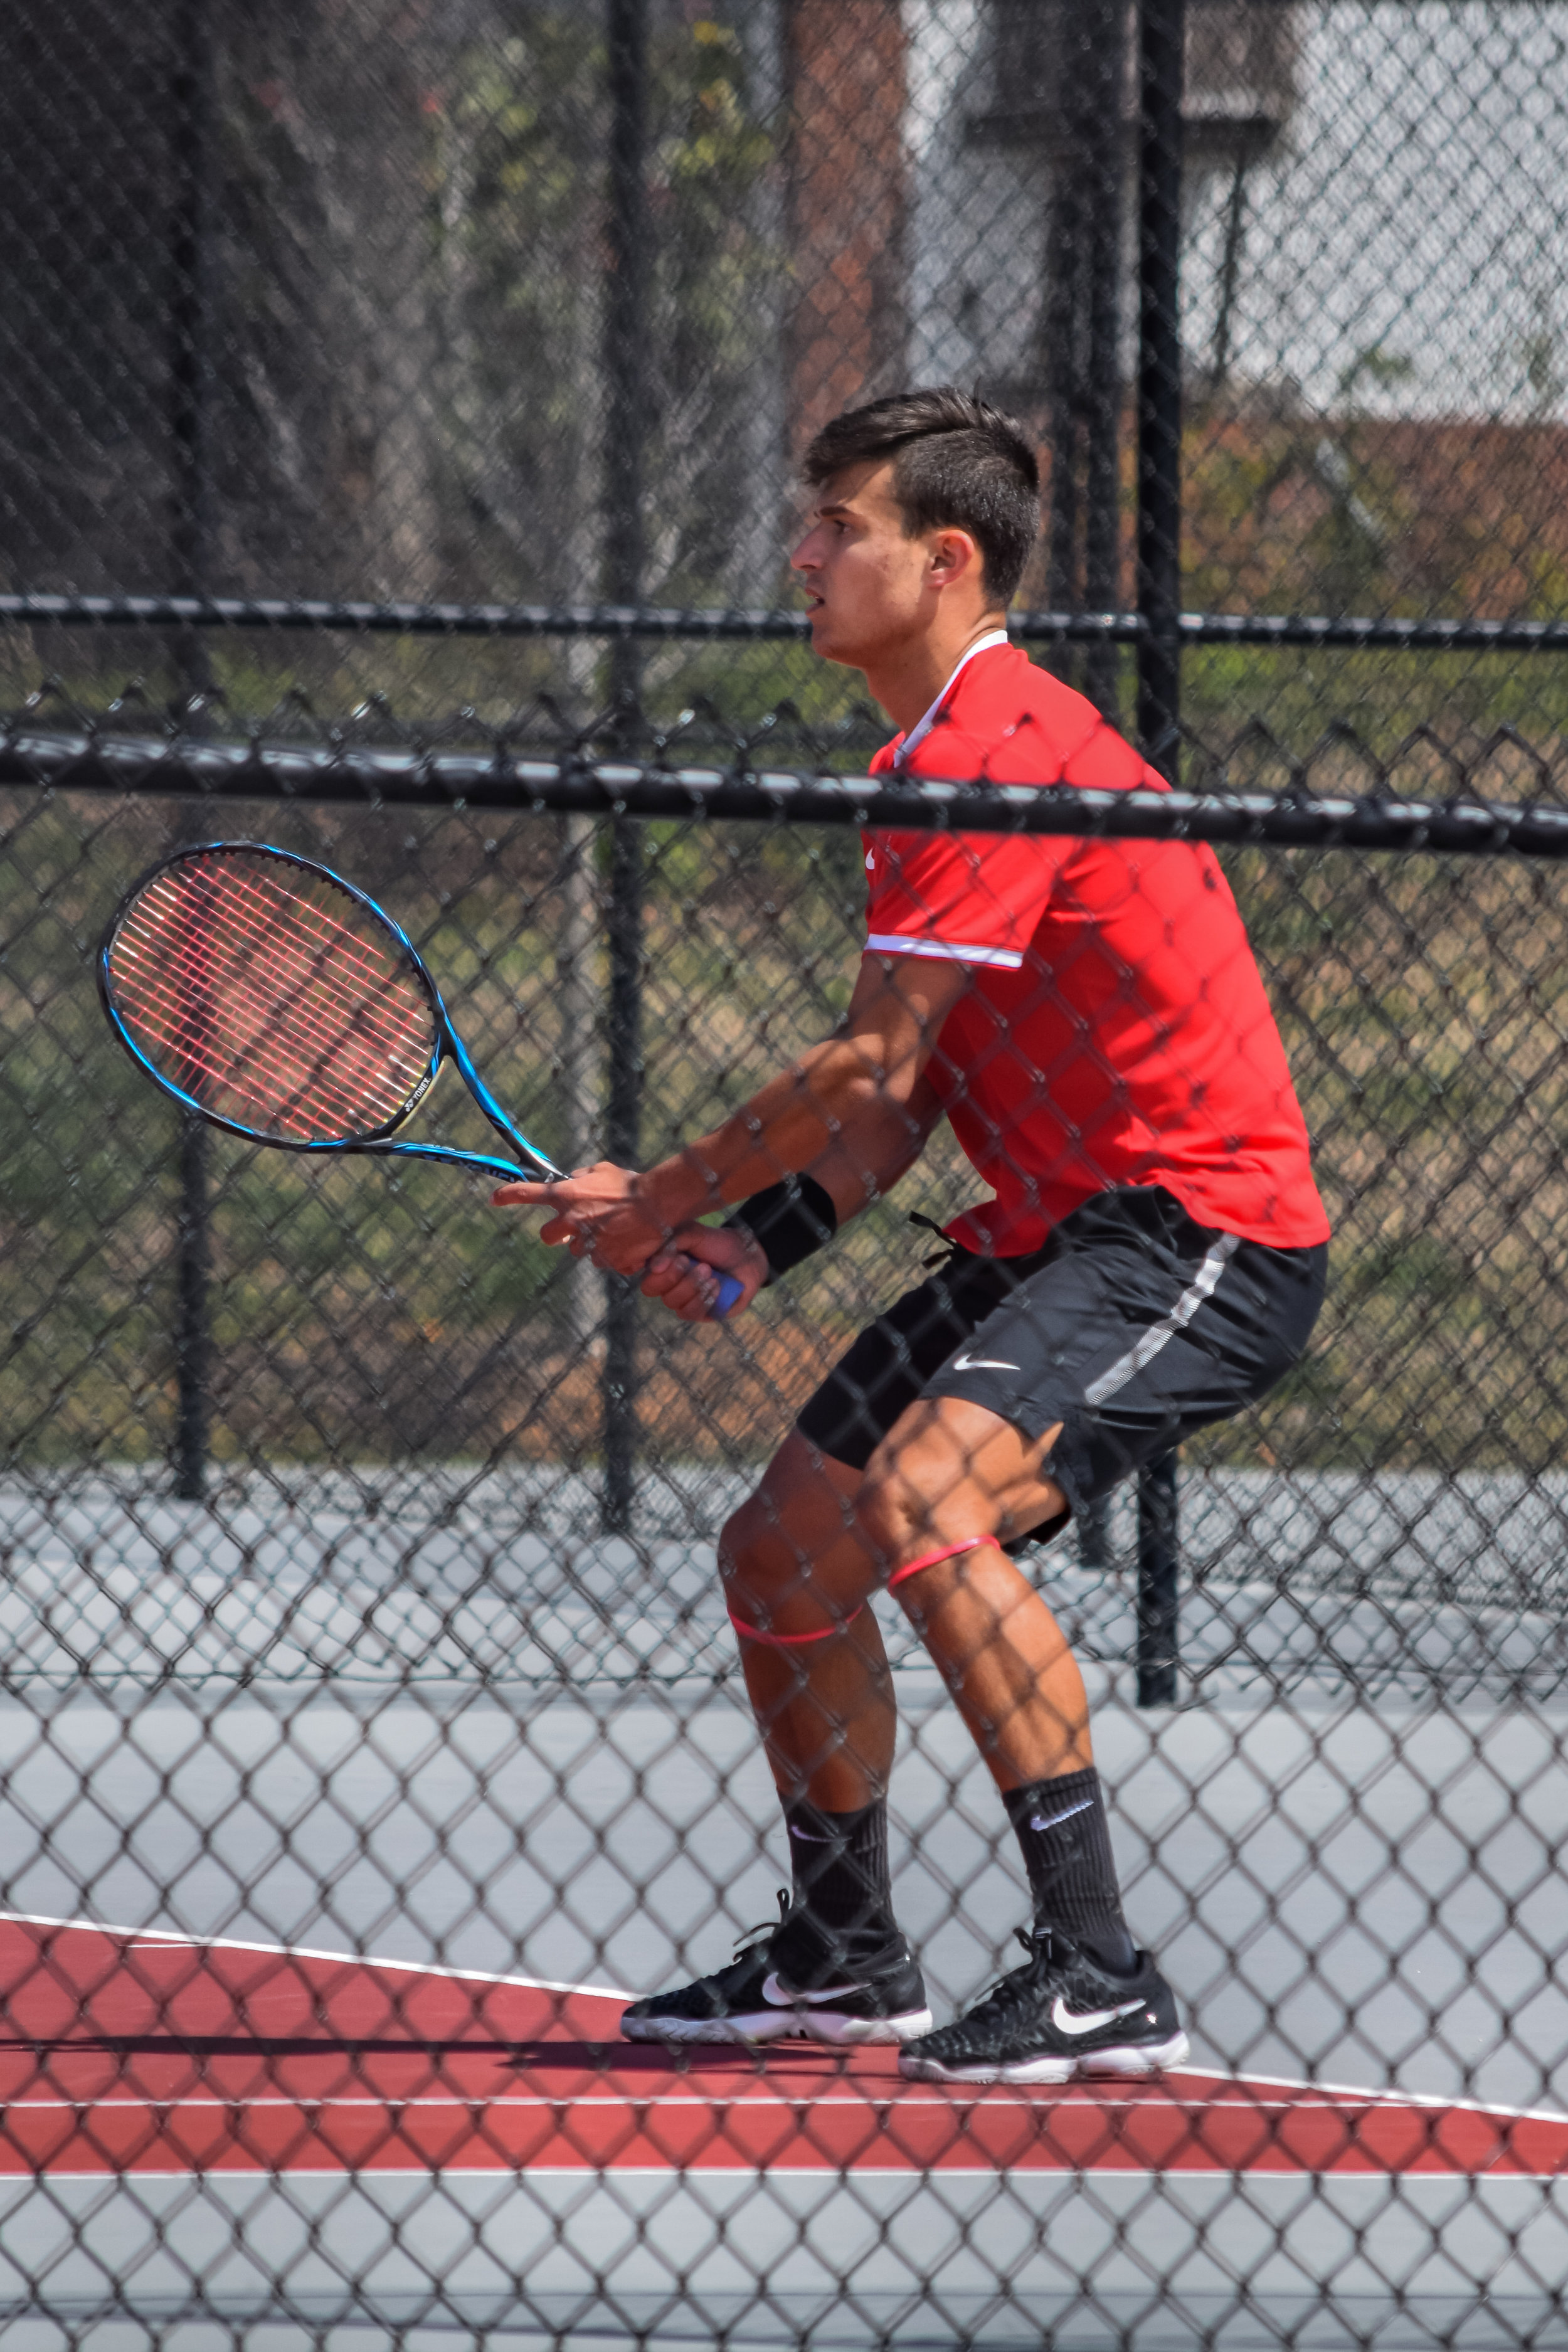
(909, 682)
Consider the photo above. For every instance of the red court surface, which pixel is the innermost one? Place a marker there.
(128, 2052)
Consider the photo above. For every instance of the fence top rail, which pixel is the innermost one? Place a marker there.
(655, 623)
(221, 772)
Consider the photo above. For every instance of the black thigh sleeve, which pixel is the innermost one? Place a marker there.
(887, 1368)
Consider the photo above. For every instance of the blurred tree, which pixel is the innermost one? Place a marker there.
(520, 142)
(402, 270)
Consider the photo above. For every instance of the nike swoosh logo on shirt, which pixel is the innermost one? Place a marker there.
(775, 1995)
(983, 1364)
(1089, 2021)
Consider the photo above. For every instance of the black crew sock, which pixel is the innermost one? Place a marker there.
(840, 1863)
(1066, 1841)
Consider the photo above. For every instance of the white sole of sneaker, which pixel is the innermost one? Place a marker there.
(857, 2032)
(834, 2029)
(1145, 2058)
(710, 2029)
(1126, 2063)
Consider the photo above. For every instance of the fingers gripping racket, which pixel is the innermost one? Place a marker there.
(275, 1000)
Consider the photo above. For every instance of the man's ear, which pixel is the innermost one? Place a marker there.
(954, 556)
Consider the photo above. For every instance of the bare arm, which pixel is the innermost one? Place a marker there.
(854, 1112)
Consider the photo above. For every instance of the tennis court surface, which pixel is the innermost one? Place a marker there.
(209, 2098)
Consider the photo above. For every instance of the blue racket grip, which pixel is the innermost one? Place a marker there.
(730, 1292)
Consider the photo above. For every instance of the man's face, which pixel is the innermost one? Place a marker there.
(869, 586)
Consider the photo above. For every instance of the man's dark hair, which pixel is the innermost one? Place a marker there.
(958, 464)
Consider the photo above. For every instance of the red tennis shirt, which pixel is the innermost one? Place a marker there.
(1116, 1031)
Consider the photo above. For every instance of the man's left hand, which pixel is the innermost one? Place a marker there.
(603, 1213)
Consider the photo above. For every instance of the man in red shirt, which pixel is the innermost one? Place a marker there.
(1088, 1017)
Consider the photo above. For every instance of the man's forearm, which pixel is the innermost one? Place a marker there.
(835, 1116)
(853, 1113)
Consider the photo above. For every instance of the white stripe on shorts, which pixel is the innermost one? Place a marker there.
(1147, 1346)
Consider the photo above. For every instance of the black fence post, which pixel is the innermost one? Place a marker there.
(1080, 326)
(1106, 22)
(627, 391)
(1162, 35)
(1159, 1561)
(1093, 1527)
(1162, 46)
(190, 431)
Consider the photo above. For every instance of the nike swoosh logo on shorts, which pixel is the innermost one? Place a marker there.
(775, 1995)
(1066, 2021)
(983, 1364)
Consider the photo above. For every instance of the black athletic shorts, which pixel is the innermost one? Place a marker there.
(1133, 1327)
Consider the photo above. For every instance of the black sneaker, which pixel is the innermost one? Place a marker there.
(859, 1986)
(1061, 2014)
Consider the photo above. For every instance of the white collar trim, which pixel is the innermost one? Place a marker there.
(917, 734)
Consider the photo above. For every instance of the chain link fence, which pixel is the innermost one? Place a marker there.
(430, 1672)
(415, 392)
(504, 304)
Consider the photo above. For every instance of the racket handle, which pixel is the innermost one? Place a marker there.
(730, 1292)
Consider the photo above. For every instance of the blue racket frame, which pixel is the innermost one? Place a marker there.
(448, 1046)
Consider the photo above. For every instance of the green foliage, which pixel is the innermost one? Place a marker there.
(517, 180)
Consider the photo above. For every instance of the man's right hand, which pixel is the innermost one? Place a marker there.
(685, 1272)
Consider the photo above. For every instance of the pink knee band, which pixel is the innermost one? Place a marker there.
(790, 1640)
(947, 1551)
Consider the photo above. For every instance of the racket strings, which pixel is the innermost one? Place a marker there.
(265, 1074)
(265, 1006)
(172, 969)
(257, 1008)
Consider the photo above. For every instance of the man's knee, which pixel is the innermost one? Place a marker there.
(913, 1498)
(801, 1511)
(740, 1537)
(952, 1469)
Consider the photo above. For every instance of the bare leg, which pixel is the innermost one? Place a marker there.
(950, 1469)
(793, 1563)
(816, 1539)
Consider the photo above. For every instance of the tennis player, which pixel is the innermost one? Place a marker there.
(1150, 1257)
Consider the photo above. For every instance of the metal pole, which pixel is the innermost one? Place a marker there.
(1081, 327)
(1158, 1567)
(1062, 323)
(627, 391)
(1105, 81)
(1094, 1535)
(190, 387)
(1162, 28)
(1161, 44)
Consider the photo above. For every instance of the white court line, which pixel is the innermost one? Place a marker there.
(963, 2094)
(1384, 2097)
(306, 1952)
(694, 2176)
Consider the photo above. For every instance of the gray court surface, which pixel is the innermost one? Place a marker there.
(463, 1735)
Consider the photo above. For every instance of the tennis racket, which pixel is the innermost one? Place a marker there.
(276, 1001)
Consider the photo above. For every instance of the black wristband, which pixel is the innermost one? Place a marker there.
(787, 1222)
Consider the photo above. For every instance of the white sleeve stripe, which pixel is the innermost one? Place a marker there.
(894, 943)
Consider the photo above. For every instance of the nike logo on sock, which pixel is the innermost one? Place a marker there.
(983, 1364)
(777, 1997)
(1087, 2020)
(1049, 1820)
(808, 1837)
